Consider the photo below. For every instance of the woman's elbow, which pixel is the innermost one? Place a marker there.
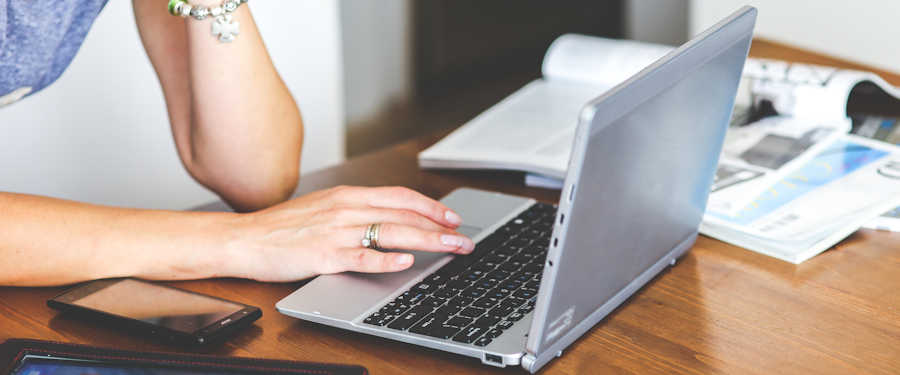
(250, 187)
(253, 193)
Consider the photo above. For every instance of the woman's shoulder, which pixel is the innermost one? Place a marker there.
(39, 39)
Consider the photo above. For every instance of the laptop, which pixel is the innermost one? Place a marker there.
(542, 275)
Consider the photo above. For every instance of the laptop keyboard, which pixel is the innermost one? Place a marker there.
(476, 297)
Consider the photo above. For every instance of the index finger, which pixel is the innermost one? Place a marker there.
(402, 198)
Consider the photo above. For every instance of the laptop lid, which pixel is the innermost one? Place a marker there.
(638, 180)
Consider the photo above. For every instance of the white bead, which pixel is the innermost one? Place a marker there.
(186, 10)
(217, 11)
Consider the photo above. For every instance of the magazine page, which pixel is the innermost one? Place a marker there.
(885, 129)
(810, 91)
(598, 61)
(848, 183)
(533, 129)
(757, 155)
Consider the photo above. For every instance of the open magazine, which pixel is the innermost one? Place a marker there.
(818, 204)
(787, 117)
(533, 129)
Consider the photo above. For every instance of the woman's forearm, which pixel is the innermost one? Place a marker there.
(245, 120)
(236, 126)
(45, 241)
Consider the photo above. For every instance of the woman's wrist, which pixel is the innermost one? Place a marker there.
(190, 245)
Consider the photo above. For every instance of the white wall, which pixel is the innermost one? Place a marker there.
(377, 48)
(657, 21)
(863, 31)
(100, 134)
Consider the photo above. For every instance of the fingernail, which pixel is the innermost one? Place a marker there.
(404, 259)
(458, 242)
(453, 217)
(450, 240)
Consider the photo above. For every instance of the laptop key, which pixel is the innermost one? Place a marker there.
(486, 283)
(458, 321)
(473, 292)
(534, 268)
(486, 302)
(515, 317)
(442, 331)
(472, 275)
(446, 293)
(524, 293)
(501, 311)
(472, 312)
(484, 341)
(458, 285)
(407, 320)
(428, 324)
(424, 287)
(410, 297)
(512, 302)
(460, 301)
(469, 335)
(483, 266)
(510, 266)
(384, 319)
(437, 279)
(395, 308)
(504, 325)
(494, 333)
(433, 302)
(521, 277)
(448, 310)
(486, 321)
(497, 275)
(498, 293)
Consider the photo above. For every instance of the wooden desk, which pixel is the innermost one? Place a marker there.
(722, 309)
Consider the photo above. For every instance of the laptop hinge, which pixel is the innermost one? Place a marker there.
(528, 362)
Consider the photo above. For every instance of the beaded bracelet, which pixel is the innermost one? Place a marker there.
(223, 27)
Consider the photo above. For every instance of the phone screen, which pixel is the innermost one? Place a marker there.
(167, 307)
(64, 366)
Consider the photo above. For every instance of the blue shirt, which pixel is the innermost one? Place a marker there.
(39, 39)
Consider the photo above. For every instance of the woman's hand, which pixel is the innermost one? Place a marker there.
(322, 233)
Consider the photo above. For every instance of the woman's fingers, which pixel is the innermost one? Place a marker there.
(399, 236)
(399, 198)
(364, 216)
(371, 261)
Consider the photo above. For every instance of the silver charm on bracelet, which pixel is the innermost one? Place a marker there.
(223, 26)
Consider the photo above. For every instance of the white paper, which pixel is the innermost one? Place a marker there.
(835, 193)
(757, 155)
(598, 61)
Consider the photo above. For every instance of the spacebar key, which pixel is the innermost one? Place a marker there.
(438, 331)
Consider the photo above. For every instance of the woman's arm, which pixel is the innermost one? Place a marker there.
(237, 129)
(45, 241)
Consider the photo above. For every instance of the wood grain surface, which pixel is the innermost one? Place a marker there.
(722, 309)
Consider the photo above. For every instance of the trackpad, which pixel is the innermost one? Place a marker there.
(482, 209)
(468, 231)
(346, 295)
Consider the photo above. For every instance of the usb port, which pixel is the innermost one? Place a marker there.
(493, 358)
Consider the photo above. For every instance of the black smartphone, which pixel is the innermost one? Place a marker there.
(168, 313)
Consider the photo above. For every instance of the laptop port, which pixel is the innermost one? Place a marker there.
(493, 359)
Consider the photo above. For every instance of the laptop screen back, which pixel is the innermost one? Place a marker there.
(641, 170)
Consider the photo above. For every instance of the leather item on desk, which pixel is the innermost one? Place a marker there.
(14, 350)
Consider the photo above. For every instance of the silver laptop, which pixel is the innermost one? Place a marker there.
(542, 275)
